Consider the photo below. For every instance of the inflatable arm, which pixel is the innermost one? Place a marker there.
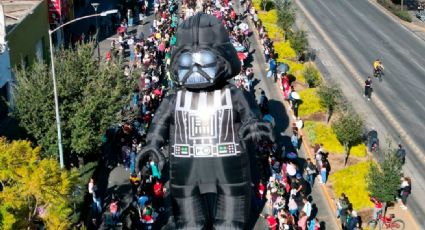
(158, 133)
(252, 128)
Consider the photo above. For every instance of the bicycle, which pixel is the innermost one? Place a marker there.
(377, 73)
(384, 222)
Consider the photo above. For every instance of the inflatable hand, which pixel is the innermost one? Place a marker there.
(256, 131)
(156, 154)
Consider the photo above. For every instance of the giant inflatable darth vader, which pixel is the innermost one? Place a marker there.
(209, 126)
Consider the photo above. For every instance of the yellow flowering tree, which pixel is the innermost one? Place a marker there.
(35, 189)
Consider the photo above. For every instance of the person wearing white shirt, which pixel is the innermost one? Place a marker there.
(307, 206)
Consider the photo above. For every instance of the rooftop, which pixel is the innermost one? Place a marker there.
(15, 10)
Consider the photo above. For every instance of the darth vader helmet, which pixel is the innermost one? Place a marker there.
(203, 55)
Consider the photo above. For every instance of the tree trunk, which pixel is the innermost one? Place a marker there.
(402, 3)
(384, 208)
(345, 154)
(328, 114)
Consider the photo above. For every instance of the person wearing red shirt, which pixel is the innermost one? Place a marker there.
(271, 221)
(261, 190)
(158, 191)
(286, 86)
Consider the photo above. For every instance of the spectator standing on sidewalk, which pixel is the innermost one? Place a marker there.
(263, 103)
(307, 207)
(271, 221)
(310, 171)
(324, 171)
(353, 222)
(401, 154)
(342, 209)
(368, 88)
(302, 221)
(130, 17)
(405, 190)
(295, 140)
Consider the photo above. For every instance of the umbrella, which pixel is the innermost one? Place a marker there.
(239, 48)
(295, 95)
(268, 118)
(282, 67)
(121, 29)
(243, 26)
(291, 155)
(242, 56)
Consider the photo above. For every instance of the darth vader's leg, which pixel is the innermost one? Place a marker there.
(188, 207)
(233, 206)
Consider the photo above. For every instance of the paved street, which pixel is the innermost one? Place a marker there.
(346, 55)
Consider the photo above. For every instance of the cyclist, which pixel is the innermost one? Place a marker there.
(377, 67)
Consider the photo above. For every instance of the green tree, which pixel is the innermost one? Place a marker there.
(34, 188)
(311, 75)
(267, 5)
(298, 41)
(90, 96)
(285, 15)
(383, 179)
(348, 129)
(329, 96)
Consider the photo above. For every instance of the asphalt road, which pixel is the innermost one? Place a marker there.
(356, 33)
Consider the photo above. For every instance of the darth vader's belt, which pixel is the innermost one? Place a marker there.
(205, 150)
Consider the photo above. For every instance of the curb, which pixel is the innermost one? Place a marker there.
(408, 25)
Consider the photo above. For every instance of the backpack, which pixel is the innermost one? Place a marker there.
(263, 101)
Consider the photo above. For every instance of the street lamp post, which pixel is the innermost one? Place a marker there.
(55, 91)
(95, 6)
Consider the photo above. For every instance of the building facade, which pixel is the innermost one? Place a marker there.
(23, 40)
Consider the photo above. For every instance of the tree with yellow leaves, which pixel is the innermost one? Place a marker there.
(35, 190)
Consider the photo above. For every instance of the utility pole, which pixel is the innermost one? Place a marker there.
(95, 6)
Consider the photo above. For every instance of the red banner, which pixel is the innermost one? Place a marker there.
(54, 11)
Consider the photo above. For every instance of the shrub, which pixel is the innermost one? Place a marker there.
(384, 180)
(403, 15)
(274, 32)
(352, 182)
(299, 41)
(311, 103)
(311, 75)
(268, 16)
(286, 16)
(396, 10)
(310, 130)
(257, 4)
(267, 5)
(320, 133)
(284, 50)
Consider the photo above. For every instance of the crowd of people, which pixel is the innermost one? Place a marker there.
(146, 59)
